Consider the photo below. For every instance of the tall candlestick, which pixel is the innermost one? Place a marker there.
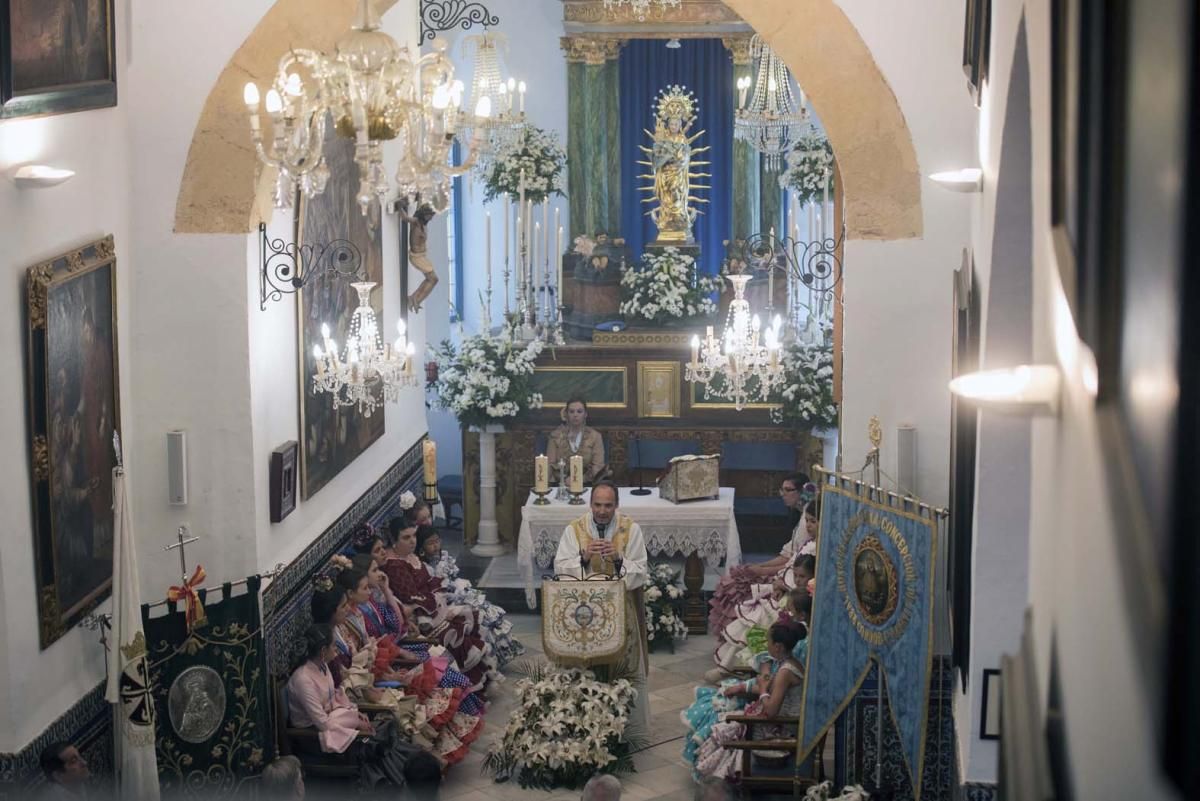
(546, 227)
(541, 474)
(576, 481)
(429, 461)
(487, 248)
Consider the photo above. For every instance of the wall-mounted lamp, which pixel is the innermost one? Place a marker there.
(1026, 389)
(969, 179)
(37, 176)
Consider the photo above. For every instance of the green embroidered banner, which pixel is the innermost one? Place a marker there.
(210, 693)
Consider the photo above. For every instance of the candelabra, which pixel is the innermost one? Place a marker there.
(375, 91)
(747, 360)
(770, 119)
(368, 372)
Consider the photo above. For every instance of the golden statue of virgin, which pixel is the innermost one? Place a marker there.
(671, 162)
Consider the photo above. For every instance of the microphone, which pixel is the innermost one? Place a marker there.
(641, 490)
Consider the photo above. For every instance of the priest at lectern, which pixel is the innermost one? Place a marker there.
(606, 542)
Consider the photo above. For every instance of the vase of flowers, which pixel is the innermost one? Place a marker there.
(488, 379)
(535, 154)
(667, 289)
(664, 607)
(809, 168)
(807, 392)
(567, 727)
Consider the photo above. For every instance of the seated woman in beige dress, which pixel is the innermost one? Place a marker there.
(575, 437)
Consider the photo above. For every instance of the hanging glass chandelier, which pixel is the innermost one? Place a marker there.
(506, 97)
(368, 372)
(770, 119)
(376, 92)
(743, 366)
(640, 7)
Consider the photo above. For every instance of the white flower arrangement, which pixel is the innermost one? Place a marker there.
(664, 613)
(807, 393)
(538, 156)
(667, 287)
(407, 500)
(809, 168)
(566, 727)
(487, 379)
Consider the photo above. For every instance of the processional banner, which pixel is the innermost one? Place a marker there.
(210, 694)
(873, 604)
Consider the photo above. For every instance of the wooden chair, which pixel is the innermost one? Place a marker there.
(305, 743)
(780, 784)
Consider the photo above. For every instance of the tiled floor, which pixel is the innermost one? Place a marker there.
(661, 772)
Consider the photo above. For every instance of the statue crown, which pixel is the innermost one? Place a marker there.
(675, 103)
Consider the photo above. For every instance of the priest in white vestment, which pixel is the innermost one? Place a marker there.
(604, 541)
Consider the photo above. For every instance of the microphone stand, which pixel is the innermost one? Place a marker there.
(641, 490)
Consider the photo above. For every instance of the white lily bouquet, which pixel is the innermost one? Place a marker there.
(487, 379)
(807, 393)
(666, 287)
(809, 167)
(535, 154)
(664, 605)
(566, 727)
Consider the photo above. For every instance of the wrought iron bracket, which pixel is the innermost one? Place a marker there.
(288, 267)
(816, 263)
(445, 15)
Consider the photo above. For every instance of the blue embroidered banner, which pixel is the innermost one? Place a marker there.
(873, 604)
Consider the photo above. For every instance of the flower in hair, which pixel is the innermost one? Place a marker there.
(322, 583)
(407, 500)
(340, 562)
(363, 535)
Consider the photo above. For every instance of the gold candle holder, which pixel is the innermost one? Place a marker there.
(576, 498)
(431, 494)
(541, 498)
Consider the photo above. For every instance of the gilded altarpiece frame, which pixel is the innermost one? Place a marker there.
(74, 408)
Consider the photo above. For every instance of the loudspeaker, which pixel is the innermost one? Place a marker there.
(177, 468)
(906, 459)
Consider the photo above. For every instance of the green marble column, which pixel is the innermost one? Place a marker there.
(745, 190)
(593, 137)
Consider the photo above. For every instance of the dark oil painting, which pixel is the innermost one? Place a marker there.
(333, 438)
(57, 56)
(74, 409)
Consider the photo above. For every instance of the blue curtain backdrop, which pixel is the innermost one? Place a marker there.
(703, 66)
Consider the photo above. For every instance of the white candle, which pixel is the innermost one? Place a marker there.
(558, 255)
(824, 203)
(517, 261)
(537, 235)
(546, 227)
(541, 474)
(576, 480)
(487, 248)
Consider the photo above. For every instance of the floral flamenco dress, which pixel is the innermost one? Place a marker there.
(494, 625)
(455, 627)
(709, 709)
(737, 585)
(438, 721)
(745, 635)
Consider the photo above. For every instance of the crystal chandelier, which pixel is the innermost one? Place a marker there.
(505, 97)
(368, 372)
(769, 119)
(640, 7)
(744, 365)
(376, 92)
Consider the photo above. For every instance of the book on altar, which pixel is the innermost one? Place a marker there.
(691, 478)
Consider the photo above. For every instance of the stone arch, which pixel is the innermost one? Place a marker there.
(866, 127)
(214, 195)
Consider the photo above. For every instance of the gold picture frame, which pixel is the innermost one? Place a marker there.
(576, 381)
(658, 389)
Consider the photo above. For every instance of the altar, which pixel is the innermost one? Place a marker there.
(705, 528)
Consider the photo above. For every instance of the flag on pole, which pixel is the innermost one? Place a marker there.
(128, 686)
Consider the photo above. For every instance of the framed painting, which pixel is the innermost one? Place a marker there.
(282, 481)
(74, 408)
(989, 713)
(658, 389)
(977, 35)
(333, 438)
(56, 56)
(604, 387)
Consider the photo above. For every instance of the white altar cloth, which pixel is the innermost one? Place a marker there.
(706, 527)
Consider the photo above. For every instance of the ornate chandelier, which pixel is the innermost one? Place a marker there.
(769, 119)
(744, 365)
(640, 7)
(376, 92)
(505, 97)
(368, 372)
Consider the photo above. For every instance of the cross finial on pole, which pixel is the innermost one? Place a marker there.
(182, 540)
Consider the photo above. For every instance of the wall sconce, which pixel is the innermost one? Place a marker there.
(1024, 390)
(39, 176)
(969, 179)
